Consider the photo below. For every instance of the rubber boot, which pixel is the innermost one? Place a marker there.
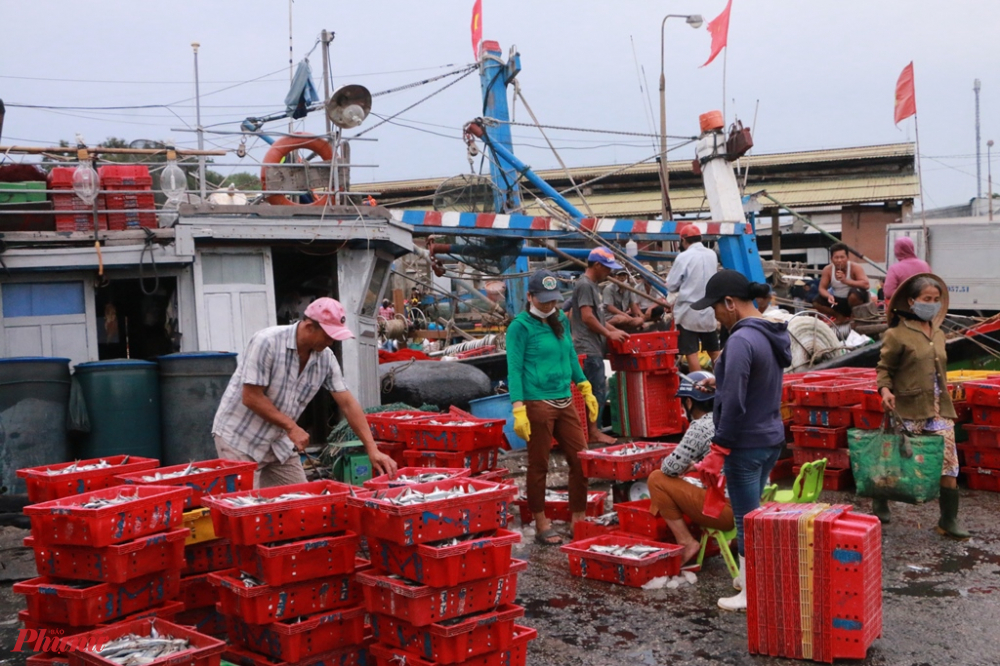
(880, 507)
(739, 601)
(948, 525)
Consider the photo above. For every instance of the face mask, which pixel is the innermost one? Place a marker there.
(925, 311)
(538, 313)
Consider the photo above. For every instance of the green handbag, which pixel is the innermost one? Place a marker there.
(895, 465)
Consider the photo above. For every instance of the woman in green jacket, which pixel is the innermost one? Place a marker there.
(912, 380)
(541, 368)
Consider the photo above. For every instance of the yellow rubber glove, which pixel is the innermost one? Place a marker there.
(588, 397)
(522, 427)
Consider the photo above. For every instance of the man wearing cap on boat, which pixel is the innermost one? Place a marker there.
(278, 374)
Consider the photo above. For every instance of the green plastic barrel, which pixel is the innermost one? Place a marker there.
(34, 398)
(191, 387)
(123, 404)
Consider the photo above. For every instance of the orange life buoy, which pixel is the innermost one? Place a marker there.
(277, 152)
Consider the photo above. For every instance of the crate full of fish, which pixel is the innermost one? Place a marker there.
(302, 559)
(433, 511)
(148, 641)
(451, 641)
(446, 563)
(623, 560)
(355, 655)
(109, 516)
(50, 482)
(252, 601)
(291, 641)
(385, 426)
(480, 460)
(205, 477)
(624, 462)
(421, 605)
(111, 564)
(516, 654)
(197, 590)
(454, 432)
(557, 505)
(283, 512)
(86, 603)
(414, 476)
(206, 556)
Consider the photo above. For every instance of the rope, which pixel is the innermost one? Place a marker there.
(389, 379)
(415, 84)
(496, 121)
(417, 103)
(148, 246)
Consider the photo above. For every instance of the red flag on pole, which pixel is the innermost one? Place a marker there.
(906, 96)
(477, 26)
(719, 29)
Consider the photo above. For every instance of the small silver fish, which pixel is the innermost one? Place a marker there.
(99, 502)
(633, 552)
(250, 581)
(76, 467)
(187, 471)
(134, 650)
(633, 449)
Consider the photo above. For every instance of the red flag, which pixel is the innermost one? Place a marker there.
(906, 96)
(719, 29)
(477, 26)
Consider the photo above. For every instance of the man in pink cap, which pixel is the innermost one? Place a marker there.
(279, 373)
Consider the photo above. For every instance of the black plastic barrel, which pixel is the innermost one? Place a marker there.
(191, 387)
(34, 398)
(123, 403)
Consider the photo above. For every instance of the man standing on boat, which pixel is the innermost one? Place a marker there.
(688, 277)
(278, 374)
(590, 330)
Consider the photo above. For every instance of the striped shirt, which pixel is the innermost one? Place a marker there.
(271, 359)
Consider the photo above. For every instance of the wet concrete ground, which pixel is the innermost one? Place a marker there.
(941, 604)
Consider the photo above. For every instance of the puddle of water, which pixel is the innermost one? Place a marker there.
(923, 590)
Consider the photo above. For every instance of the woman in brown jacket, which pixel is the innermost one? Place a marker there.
(912, 380)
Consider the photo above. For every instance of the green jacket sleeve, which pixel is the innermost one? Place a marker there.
(888, 361)
(517, 338)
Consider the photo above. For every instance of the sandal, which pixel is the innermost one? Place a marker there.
(542, 538)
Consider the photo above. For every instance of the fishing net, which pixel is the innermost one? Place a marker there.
(342, 431)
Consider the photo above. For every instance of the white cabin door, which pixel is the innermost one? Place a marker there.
(234, 297)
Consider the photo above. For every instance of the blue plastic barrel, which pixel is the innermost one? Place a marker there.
(123, 404)
(34, 398)
(498, 407)
(191, 387)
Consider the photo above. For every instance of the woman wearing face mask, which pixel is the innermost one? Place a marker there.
(541, 367)
(912, 382)
(747, 411)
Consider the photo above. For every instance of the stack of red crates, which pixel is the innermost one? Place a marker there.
(106, 553)
(442, 584)
(72, 214)
(129, 196)
(293, 594)
(813, 581)
(648, 406)
(981, 454)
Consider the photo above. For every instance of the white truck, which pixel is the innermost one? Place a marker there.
(965, 252)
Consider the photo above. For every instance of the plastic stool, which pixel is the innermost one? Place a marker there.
(807, 487)
(723, 539)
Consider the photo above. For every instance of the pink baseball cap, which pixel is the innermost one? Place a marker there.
(330, 315)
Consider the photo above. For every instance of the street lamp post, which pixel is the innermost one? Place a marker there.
(695, 21)
(989, 176)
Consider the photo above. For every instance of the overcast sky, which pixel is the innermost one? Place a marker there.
(824, 73)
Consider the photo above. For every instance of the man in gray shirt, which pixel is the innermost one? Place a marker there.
(590, 330)
(621, 308)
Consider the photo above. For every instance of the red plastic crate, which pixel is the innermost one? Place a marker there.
(585, 563)
(604, 464)
(987, 416)
(645, 361)
(47, 659)
(982, 478)
(820, 438)
(294, 640)
(265, 604)
(515, 655)
(480, 460)
(451, 643)
(782, 470)
(111, 564)
(132, 177)
(645, 342)
(484, 510)
(65, 521)
(168, 610)
(823, 418)
(864, 419)
(394, 450)
(75, 214)
(280, 564)
(206, 556)
(421, 605)
(835, 458)
(323, 513)
(834, 479)
(486, 556)
(983, 436)
(208, 620)
(204, 651)
(634, 518)
(587, 529)
(356, 655)
(197, 591)
(224, 476)
(43, 487)
(829, 392)
(983, 393)
(975, 457)
(452, 432)
(870, 400)
(385, 425)
(500, 475)
(963, 411)
(648, 405)
(53, 601)
(137, 210)
(559, 509)
(398, 479)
